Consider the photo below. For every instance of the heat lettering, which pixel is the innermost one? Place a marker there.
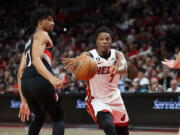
(103, 70)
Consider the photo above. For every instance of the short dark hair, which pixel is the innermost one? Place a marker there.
(103, 29)
(39, 14)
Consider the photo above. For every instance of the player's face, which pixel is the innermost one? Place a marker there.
(103, 42)
(48, 23)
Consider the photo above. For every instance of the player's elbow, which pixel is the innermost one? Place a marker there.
(122, 69)
(35, 60)
(125, 70)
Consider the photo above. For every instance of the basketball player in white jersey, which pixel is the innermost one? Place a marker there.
(174, 64)
(104, 102)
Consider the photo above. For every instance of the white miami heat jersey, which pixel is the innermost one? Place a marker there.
(104, 85)
(103, 93)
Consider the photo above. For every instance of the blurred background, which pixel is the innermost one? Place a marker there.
(146, 31)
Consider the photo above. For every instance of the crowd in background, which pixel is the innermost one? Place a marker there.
(146, 31)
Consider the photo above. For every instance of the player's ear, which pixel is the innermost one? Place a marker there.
(40, 22)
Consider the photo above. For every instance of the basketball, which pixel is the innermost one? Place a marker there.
(85, 68)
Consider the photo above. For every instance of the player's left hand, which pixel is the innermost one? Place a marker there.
(169, 63)
(113, 69)
(24, 112)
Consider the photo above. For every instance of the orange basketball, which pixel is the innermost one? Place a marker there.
(85, 68)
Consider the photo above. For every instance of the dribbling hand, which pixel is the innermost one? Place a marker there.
(71, 62)
(24, 112)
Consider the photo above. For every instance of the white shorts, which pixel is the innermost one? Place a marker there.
(116, 109)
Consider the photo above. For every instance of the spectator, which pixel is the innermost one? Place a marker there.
(143, 81)
(124, 83)
(173, 86)
(145, 37)
(165, 78)
(135, 86)
(155, 86)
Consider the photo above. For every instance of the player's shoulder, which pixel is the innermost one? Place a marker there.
(41, 34)
(92, 51)
(119, 52)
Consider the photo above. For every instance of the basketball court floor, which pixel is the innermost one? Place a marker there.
(77, 131)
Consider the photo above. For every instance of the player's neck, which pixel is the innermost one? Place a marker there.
(104, 54)
(39, 28)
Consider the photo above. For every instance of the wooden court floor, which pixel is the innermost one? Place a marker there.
(74, 131)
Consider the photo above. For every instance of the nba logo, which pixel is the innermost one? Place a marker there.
(98, 59)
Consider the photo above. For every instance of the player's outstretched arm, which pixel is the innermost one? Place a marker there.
(174, 64)
(120, 66)
(24, 111)
(40, 39)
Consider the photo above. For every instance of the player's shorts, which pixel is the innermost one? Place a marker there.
(41, 97)
(116, 109)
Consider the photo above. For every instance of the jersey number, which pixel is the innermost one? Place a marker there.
(28, 55)
(28, 59)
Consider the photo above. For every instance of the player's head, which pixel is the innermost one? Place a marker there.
(103, 39)
(43, 19)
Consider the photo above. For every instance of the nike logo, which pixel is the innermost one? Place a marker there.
(100, 62)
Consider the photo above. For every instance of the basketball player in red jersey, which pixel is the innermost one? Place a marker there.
(36, 81)
(104, 102)
(174, 64)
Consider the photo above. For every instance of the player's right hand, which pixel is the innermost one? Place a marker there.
(56, 82)
(24, 112)
(71, 62)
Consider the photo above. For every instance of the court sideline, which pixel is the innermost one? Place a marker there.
(76, 131)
